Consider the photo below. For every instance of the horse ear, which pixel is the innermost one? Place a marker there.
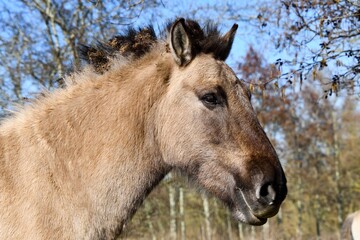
(227, 41)
(180, 43)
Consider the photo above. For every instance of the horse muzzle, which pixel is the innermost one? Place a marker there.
(262, 202)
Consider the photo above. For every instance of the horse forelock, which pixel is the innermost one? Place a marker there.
(133, 44)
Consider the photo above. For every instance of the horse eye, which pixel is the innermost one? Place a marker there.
(210, 100)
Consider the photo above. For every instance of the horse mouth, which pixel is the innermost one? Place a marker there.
(242, 211)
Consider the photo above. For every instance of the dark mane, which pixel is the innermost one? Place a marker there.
(134, 44)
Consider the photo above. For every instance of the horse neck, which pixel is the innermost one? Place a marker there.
(101, 134)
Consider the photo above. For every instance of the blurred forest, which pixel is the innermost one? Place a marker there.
(301, 62)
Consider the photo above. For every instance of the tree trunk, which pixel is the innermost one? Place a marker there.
(318, 217)
(279, 227)
(172, 212)
(229, 227)
(181, 209)
(148, 220)
(299, 203)
(253, 233)
(339, 201)
(217, 219)
(241, 231)
(265, 231)
(207, 217)
(299, 207)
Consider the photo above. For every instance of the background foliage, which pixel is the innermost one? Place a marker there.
(300, 59)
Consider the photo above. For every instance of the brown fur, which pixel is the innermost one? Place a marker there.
(77, 163)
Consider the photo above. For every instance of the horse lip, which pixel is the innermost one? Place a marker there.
(248, 218)
(242, 211)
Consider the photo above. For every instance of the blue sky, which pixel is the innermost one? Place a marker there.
(247, 34)
(187, 8)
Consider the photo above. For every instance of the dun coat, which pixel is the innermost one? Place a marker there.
(78, 162)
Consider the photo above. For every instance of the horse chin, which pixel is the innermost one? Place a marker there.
(247, 217)
(243, 213)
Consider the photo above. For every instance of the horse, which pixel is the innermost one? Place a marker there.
(351, 226)
(78, 162)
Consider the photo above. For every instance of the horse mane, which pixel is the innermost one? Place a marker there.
(134, 43)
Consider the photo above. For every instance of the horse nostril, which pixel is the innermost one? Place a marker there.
(266, 193)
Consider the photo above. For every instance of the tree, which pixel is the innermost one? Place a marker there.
(310, 135)
(39, 39)
(319, 35)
